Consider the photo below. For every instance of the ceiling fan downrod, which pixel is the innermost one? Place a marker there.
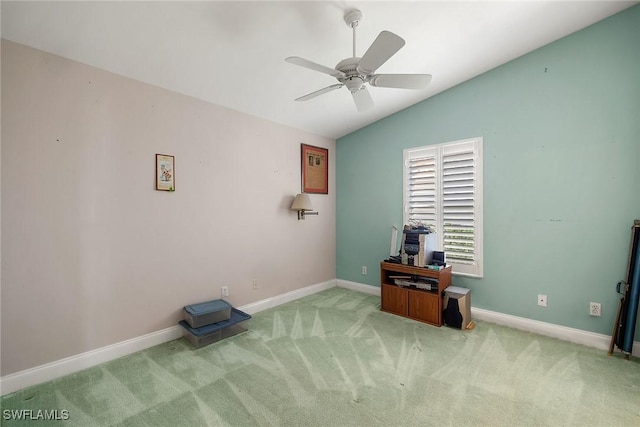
(352, 17)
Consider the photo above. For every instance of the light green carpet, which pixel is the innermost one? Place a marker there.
(333, 359)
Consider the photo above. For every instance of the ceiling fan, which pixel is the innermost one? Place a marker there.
(354, 72)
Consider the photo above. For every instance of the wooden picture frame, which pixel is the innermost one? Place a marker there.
(315, 169)
(165, 172)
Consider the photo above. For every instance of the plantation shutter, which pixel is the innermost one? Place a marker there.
(443, 190)
(422, 186)
(458, 202)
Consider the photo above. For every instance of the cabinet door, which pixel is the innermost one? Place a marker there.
(394, 299)
(425, 307)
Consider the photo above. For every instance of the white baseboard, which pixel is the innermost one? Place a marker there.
(47, 372)
(39, 374)
(68, 365)
(565, 333)
(577, 336)
(355, 286)
(267, 303)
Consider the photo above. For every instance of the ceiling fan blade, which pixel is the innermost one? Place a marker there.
(363, 99)
(320, 92)
(314, 66)
(400, 81)
(382, 48)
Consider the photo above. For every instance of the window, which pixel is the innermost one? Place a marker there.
(443, 189)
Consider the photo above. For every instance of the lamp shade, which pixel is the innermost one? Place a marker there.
(302, 202)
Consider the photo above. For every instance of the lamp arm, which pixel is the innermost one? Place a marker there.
(302, 213)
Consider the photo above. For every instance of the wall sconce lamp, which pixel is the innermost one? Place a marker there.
(302, 204)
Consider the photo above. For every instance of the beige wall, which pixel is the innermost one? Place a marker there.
(92, 254)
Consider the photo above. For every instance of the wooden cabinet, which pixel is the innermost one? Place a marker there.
(424, 305)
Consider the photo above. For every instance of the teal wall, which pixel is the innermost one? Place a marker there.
(561, 129)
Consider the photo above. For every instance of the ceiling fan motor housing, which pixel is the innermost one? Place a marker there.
(353, 80)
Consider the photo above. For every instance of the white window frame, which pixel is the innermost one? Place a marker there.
(471, 149)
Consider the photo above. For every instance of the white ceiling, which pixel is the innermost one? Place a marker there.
(232, 53)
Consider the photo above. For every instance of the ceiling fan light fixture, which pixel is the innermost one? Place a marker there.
(354, 83)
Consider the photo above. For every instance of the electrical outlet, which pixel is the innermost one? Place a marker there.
(595, 309)
(224, 291)
(255, 284)
(542, 300)
(364, 269)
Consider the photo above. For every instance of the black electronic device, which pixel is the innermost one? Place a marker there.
(439, 258)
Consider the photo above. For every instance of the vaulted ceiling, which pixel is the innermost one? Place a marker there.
(232, 53)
